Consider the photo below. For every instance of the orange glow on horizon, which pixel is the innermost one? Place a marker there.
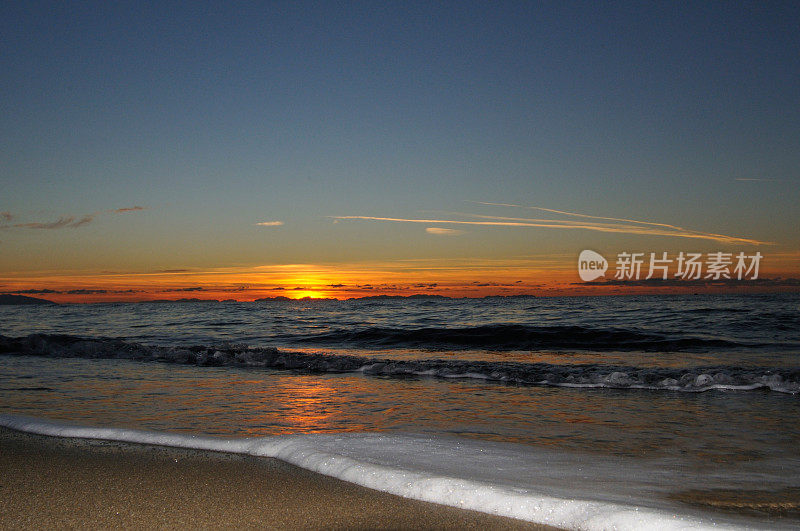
(307, 293)
(537, 275)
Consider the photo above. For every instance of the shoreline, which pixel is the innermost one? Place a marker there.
(81, 483)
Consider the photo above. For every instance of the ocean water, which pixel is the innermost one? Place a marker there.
(596, 412)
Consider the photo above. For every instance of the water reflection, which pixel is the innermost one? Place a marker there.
(707, 428)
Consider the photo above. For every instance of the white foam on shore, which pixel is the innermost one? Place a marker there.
(491, 478)
(590, 376)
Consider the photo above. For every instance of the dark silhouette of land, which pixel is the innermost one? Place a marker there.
(22, 299)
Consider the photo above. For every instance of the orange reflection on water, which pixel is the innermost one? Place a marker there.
(709, 428)
(305, 404)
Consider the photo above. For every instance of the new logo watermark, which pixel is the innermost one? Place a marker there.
(591, 265)
(684, 266)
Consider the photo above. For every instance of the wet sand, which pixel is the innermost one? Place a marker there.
(777, 503)
(57, 482)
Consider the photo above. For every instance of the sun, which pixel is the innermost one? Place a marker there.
(300, 294)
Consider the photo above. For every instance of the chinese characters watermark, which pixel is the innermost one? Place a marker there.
(684, 266)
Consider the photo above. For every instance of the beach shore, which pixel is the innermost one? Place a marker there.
(58, 482)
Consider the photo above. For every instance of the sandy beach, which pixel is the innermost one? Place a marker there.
(55, 482)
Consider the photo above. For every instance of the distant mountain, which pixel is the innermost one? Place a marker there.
(400, 297)
(181, 300)
(22, 299)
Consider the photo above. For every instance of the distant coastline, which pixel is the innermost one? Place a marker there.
(10, 300)
(22, 300)
(281, 298)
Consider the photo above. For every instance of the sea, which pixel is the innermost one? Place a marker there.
(629, 412)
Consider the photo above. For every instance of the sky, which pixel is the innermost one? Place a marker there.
(238, 150)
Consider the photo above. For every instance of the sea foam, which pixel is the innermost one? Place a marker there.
(465, 474)
(684, 379)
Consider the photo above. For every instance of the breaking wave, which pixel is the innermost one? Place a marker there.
(784, 380)
(518, 337)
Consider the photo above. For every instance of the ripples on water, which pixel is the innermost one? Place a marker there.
(717, 439)
(653, 323)
(708, 428)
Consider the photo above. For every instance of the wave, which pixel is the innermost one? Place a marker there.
(784, 380)
(717, 310)
(464, 474)
(506, 337)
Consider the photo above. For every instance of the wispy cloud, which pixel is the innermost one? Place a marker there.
(77, 291)
(269, 223)
(586, 216)
(62, 222)
(83, 291)
(34, 291)
(608, 224)
(754, 179)
(85, 220)
(193, 288)
(441, 231)
(663, 229)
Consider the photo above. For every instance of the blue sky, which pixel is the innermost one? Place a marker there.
(217, 116)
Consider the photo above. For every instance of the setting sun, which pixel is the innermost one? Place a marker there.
(303, 293)
(535, 259)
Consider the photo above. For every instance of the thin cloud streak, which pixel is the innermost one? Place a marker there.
(60, 223)
(441, 231)
(699, 234)
(64, 221)
(83, 221)
(563, 212)
(270, 223)
(613, 227)
(567, 224)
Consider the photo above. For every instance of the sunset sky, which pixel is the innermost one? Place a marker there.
(334, 149)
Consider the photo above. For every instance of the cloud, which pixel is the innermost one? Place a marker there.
(87, 291)
(269, 223)
(754, 179)
(195, 288)
(83, 221)
(443, 232)
(587, 216)
(77, 291)
(35, 291)
(60, 223)
(609, 224)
